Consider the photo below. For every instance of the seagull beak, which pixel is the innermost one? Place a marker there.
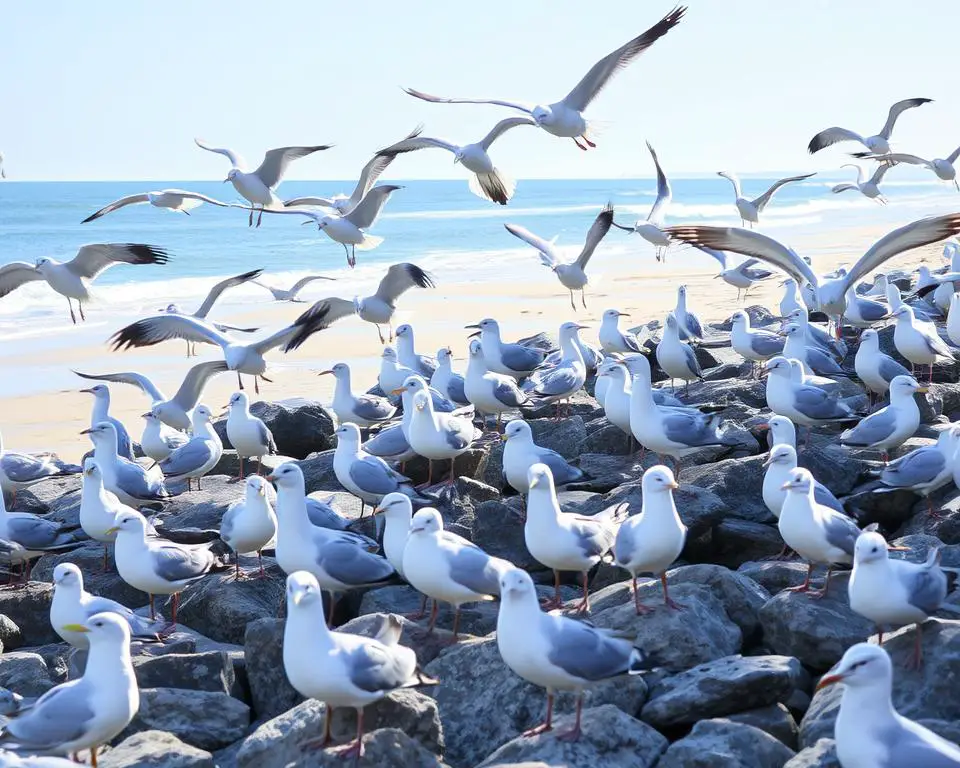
(922, 390)
(297, 597)
(88, 391)
(674, 485)
(891, 548)
(504, 437)
(472, 326)
(474, 335)
(226, 180)
(768, 462)
(583, 327)
(716, 276)
(145, 415)
(75, 628)
(418, 529)
(535, 482)
(786, 486)
(325, 373)
(86, 432)
(398, 391)
(827, 680)
(623, 314)
(111, 531)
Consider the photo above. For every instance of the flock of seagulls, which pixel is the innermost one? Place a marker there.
(425, 408)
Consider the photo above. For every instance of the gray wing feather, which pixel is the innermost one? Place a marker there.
(822, 362)
(187, 458)
(909, 745)
(766, 344)
(266, 437)
(871, 311)
(36, 533)
(624, 544)
(388, 442)
(584, 651)
(916, 468)
(456, 436)
(841, 532)
(455, 390)
(374, 668)
(174, 563)
(692, 363)
(475, 569)
(22, 467)
(373, 409)
(824, 497)
(323, 515)
(689, 429)
(890, 368)
(124, 443)
(557, 382)
(562, 472)
(814, 403)
(519, 358)
(373, 475)
(509, 394)
(59, 716)
(594, 538)
(876, 427)
(352, 564)
(134, 480)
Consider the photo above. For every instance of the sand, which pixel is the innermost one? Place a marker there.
(52, 420)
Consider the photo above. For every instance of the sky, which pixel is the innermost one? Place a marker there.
(114, 89)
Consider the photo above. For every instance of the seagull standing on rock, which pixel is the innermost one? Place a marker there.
(423, 365)
(520, 452)
(446, 381)
(250, 436)
(612, 339)
(130, 482)
(199, 455)
(677, 358)
(874, 368)
(438, 436)
(918, 342)
(553, 384)
(753, 344)
(250, 524)
(925, 469)
(363, 410)
(514, 360)
(101, 412)
(99, 507)
(490, 392)
(158, 440)
(889, 427)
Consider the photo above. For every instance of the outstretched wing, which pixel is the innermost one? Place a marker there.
(196, 379)
(366, 213)
(276, 161)
(128, 200)
(12, 276)
(664, 193)
(402, 277)
(128, 377)
(765, 198)
(502, 127)
(518, 105)
(368, 177)
(896, 110)
(92, 259)
(235, 160)
(548, 254)
(834, 135)
(598, 230)
(220, 287)
(153, 330)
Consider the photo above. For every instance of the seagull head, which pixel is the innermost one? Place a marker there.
(870, 336)
(100, 390)
(42, 264)
(394, 505)
(740, 318)
(903, 312)
(303, 590)
(91, 468)
(458, 156)
(67, 575)
(348, 434)
(413, 385)
(784, 455)
(104, 627)
(100, 431)
(338, 371)
(541, 115)
(289, 475)
(613, 315)
(201, 414)
(239, 400)
(256, 486)
(658, 479)
(129, 522)
(403, 331)
(389, 353)
(799, 481)
(863, 665)
(778, 364)
(232, 175)
(444, 355)
(791, 329)
(539, 476)
(421, 400)
(427, 520)
(516, 428)
(905, 386)
(476, 349)
(515, 582)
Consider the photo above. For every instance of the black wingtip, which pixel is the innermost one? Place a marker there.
(147, 254)
(310, 322)
(250, 275)
(90, 218)
(420, 277)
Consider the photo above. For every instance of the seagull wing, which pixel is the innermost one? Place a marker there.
(879, 173)
(664, 193)
(603, 71)
(899, 157)
(765, 198)
(324, 202)
(502, 127)
(831, 136)
(333, 308)
(368, 177)
(416, 141)
(548, 254)
(196, 379)
(952, 157)
(235, 160)
(598, 230)
(720, 256)
(400, 278)
(220, 287)
(128, 377)
(366, 213)
(92, 259)
(304, 281)
(310, 322)
(521, 106)
(12, 276)
(895, 112)
(128, 200)
(276, 161)
(153, 330)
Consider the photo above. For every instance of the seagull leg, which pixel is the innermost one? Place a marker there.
(453, 478)
(353, 257)
(153, 613)
(93, 755)
(433, 616)
(263, 573)
(354, 750)
(176, 604)
(106, 553)
(666, 595)
(546, 725)
(250, 220)
(641, 608)
(556, 601)
(380, 334)
(589, 143)
(583, 297)
(456, 624)
(324, 740)
(917, 661)
(83, 317)
(579, 145)
(256, 384)
(419, 614)
(240, 476)
(72, 316)
(826, 585)
(239, 380)
(574, 733)
(805, 587)
(584, 606)
(573, 306)
(333, 602)
(260, 216)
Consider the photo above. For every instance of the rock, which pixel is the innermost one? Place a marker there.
(606, 472)
(300, 427)
(609, 737)
(270, 692)
(581, 406)
(202, 509)
(759, 318)
(606, 438)
(752, 394)
(58, 497)
(739, 482)
(823, 754)
(89, 559)
(734, 542)
(28, 606)
(833, 465)
(221, 607)
(474, 679)
(11, 637)
(775, 576)
(774, 719)
(476, 619)
(229, 463)
(726, 744)
(816, 631)
(203, 719)
(61, 660)
(155, 748)
(211, 671)
(25, 672)
(719, 688)
(497, 529)
(318, 472)
(276, 743)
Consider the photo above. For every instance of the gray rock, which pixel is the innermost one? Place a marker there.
(606, 472)
(318, 472)
(203, 719)
(774, 719)
(25, 672)
(52, 497)
(28, 606)
(270, 692)
(726, 744)
(734, 542)
(497, 529)
(823, 754)
(739, 482)
(210, 671)
(476, 619)
(721, 687)
(202, 509)
(474, 679)
(11, 637)
(606, 438)
(609, 737)
(299, 426)
(229, 463)
(816, 631)
(61, 660)
(155, 748)
(89, 559)
(775, 576)
(581, 406)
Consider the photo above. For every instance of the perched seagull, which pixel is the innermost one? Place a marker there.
(572, 275)
(348, 229)
(290, 294)
(862, 312)
(447, 567)
(446, 381)
(341, 203)
(816, 336)
(407, 354)
(819, 534)
(486, 181)
(614, 377)
(249, 524)
(514, 360)
(813, 359)
(878, 144)
(381, 306)
(520, 452)
(743, 276)
(891, 426)
(392, 372)
(249, 436)
(830, 293)
(782, 432)
(803, 404)
(612, 339)
(925, 469)
(34, 536)
(239, 357)
(199, 455)
(176, 410)
(650, 228)
(130, 482)
(101, 412)
(869, 732)
(179, 200)
(750, 210)
(675, 357)
(792, 298)
(779, 465)
(552, 384)
(953, 319)
(868, 187)
(362, 410)
(691, 329)
(157, 566)
(397, 511)
(565, 118)
(592, 355)
(257, 187)
(84, 713)
(943, 167)
(557, 652)
(98, 507)
(434, 435)
(651, 541)
(72, 278)
(490, 392)
(72, 605)
(342, 669)
(753, 344)
(21, 470)
(918, 342)
(564, 541)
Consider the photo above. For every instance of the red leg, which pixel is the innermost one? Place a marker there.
(433, 616)
(557, 601)
(641, 608)
(323, 740)
(826, 585)
(419, 614)
(574, 733)
(917, 661)
(355, 750)
(805, 587)
(546, 725)
(263, 573)
(456, 623)
(153, 613)
(584, 606)
(176, 604)
(666, 595)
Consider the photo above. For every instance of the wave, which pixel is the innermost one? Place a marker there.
(492, 213)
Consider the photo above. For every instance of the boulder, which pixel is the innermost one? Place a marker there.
(606, 472)
(58, 497)
(210, 671)
(719, 688)
(816, 631)
(609, 737)
(25, 672)
(775, 575)
(581, 406)
(299, 426)
(734, 542)
(28, 606)
(823, 754)
(204, 719)
(483, 704)
(726, 744)
(774, 719)
(606, 438)
(270, 692)
(157, 749)
(318, 472)
(11, 637)
(477, 619)
(739, 482)
(202, 509)
(498, 530)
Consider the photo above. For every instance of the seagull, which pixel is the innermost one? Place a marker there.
(830, 293)
(742, 277)
(179, 200)
(816, 336)
(650, 228)
(341, 203)
(612, 339)
(782, 432)
(557, 652)
(381, 306)
(943, 167)
(392, 372)
(281, 294)
(564, 541)
(348, 229)
(520, 452)
(561, 381)
(792, 298)
(407, 355)
(486, 181)
(651, 541)
(72, 278)
(869, 188)
(249, 524)
(176, 410)
(128, 480)
(101, 412)
(490, 392)
(862, 312)
(691, 328)
(258, 186)
(615, 378)
(675, 357)
(813, 359)
(924, 469)
(98, 507)
(239, 357)
(21, 470)
(84, 713)
(363, 410)
(869, 732)
(891, 426)
(342, 669)
(514, 360)
(572, 275)
(816, 532)
(879, 144)
(248, 435)
(779, 465)
(750, 210)
(446, 381)
(754, 344)
(199, 455)
(953, 319)
(565, 118)
(803, 404)
(918, 342)
(34, 536)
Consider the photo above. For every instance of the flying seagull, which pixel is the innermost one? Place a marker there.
(650, 228)
(879, 143)
(750, 210)
(178, 200)
(341, 203)
(281, 294)
(868, 187)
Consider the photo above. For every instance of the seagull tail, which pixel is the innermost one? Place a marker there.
(368, 243)
(495, 186)
(640, 662)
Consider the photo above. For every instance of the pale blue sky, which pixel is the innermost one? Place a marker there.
(115, 89)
